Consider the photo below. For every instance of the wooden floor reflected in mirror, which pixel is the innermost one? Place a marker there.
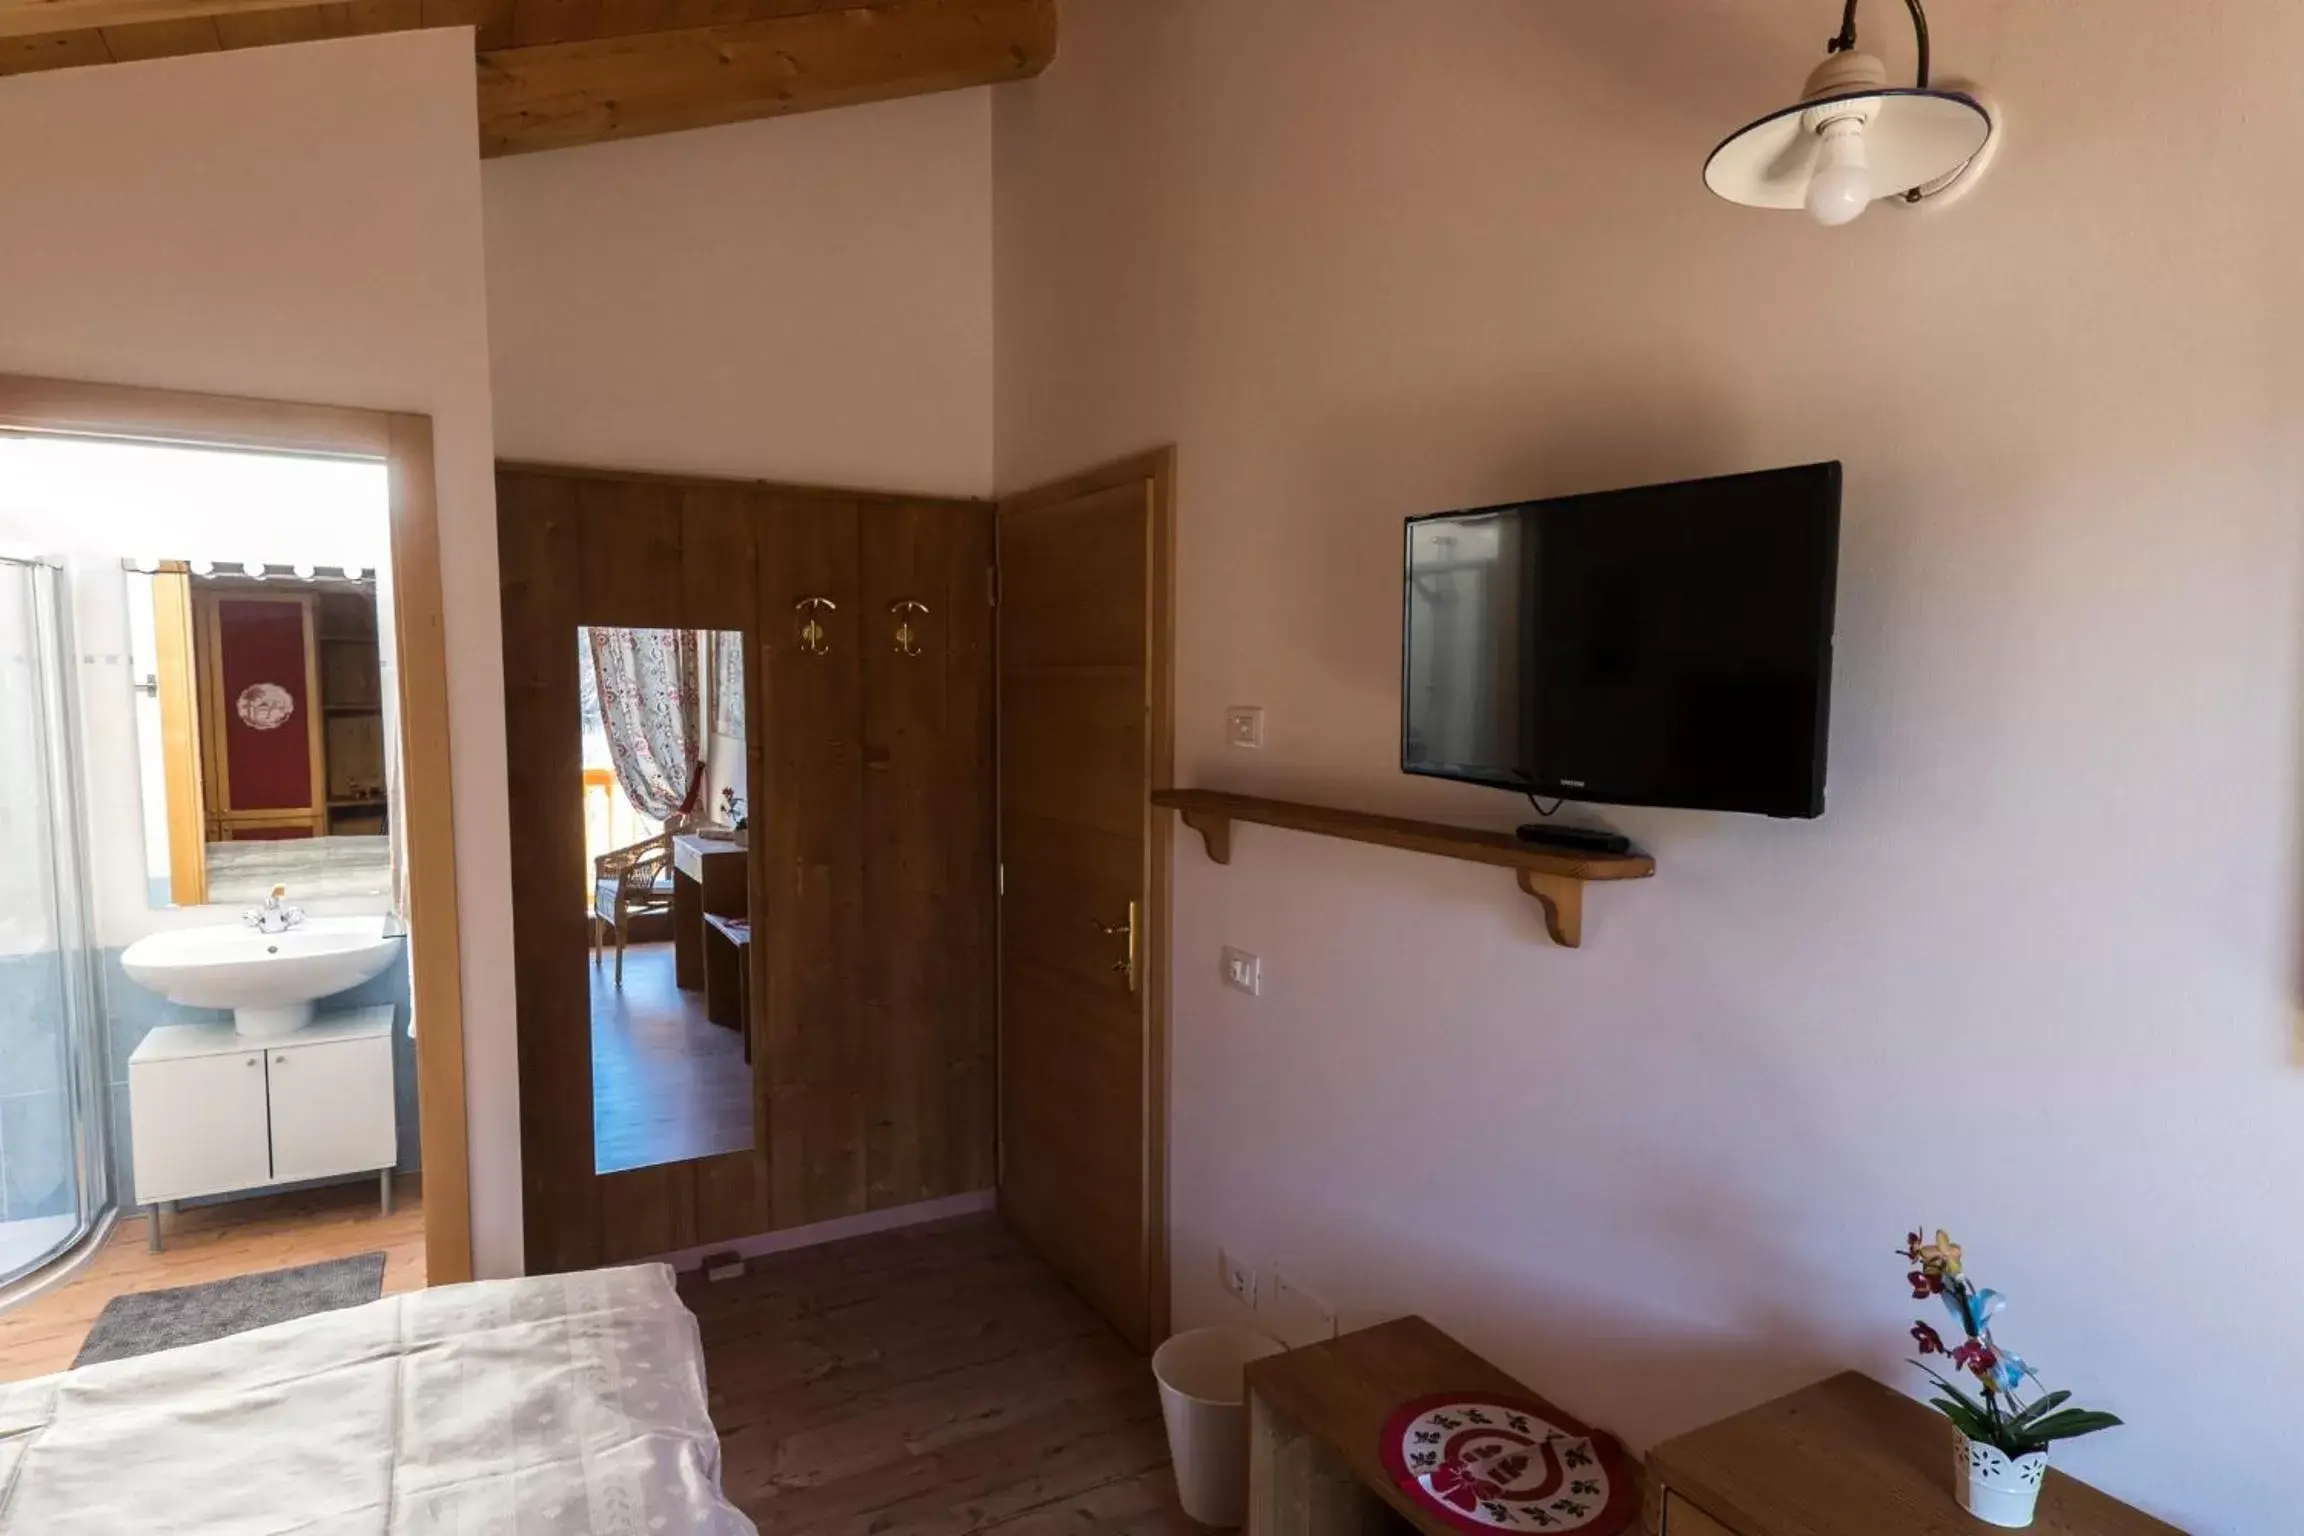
(667, 1084)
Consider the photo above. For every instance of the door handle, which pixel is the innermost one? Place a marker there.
(1126, 964)
(904, 609)
(813, 639)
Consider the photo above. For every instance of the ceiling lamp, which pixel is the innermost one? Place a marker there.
(1853, 138)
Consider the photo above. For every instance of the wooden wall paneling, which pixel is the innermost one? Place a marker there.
(928, 870)
(972, 1075)
(646, 1211)
(905, 706)
(720, 589)
(634, 574)
(813, 832)
(871, 1091)
(732, 1188)
(540, 557)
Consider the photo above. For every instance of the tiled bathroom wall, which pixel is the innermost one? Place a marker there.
(132, 1011)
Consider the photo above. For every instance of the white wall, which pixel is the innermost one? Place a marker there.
(2033, 977)
(300, 223)
(804, 299)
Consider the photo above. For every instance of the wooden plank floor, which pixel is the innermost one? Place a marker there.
(210, 1242)
(931, 1381)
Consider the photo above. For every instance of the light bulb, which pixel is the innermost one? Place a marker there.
(305, 571)
(1840, 188)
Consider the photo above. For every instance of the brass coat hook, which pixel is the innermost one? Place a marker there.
(814, 641)
(907, 640)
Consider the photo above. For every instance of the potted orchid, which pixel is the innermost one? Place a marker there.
(2003, 1456)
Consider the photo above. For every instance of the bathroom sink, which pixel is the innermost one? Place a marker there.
(268, 980)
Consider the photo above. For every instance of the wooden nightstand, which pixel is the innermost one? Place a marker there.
(1845, 1457)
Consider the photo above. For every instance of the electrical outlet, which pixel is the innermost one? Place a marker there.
(1244, 725)
(1243, 972)
(1237, 1278)
(1298, 1316)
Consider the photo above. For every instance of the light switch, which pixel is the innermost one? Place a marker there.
(1244, 725)
(1243, 972)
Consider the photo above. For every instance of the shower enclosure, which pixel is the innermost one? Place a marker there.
(54, 1185)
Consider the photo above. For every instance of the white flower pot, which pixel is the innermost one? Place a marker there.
(1995, 1489)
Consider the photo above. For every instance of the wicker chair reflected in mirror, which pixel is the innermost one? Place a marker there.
(630, 882)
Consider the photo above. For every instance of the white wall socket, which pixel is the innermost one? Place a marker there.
(1243, 972)
(1237, 1278)
(1244, 725)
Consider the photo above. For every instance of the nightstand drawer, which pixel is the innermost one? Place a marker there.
(1682, 1518)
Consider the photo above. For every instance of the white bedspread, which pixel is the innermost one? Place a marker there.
(566, 1405)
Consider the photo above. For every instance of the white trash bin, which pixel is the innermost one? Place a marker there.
(1204, 1399)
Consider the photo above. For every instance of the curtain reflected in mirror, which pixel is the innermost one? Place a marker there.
(665, 838)
(262, 733)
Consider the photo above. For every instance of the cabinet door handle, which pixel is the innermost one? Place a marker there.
(251, 1061)
(279, 1061)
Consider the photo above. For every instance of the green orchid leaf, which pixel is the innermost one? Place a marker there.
(1969, 1423)
(2046, 1405)
(1983, 1413)
(2068, 1424)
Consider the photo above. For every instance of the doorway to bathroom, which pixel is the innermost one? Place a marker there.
(242, 868)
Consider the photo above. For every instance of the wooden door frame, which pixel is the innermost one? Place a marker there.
(1156, 467)
(403, 443)
(176, 680)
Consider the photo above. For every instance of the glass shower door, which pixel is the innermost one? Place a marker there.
(52, 1180)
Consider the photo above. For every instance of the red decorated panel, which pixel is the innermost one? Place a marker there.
(267, 730)
(1487, 1464)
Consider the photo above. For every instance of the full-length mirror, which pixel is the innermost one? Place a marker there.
(663, 720)
(262, 731)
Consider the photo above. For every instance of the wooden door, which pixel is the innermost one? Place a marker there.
(1084, 739)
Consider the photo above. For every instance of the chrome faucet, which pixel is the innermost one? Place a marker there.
(275, 916)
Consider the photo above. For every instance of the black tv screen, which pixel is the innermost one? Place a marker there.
(1667, 646)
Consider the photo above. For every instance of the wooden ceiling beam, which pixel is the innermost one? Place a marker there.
(555, 95)
(31, 18)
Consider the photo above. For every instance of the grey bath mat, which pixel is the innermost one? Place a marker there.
(194, 1314)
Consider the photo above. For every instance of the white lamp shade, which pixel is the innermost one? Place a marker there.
(1914, 138)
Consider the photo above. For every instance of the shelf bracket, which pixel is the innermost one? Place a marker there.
(1562, 899)
(1215, 831)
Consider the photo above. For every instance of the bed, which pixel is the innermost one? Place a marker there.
(568, 1404)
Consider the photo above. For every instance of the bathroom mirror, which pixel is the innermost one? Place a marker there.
(667, 884)
(262, 731)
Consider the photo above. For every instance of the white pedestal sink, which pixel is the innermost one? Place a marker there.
(268, 980)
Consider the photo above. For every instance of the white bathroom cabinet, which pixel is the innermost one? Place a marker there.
(213, 1113)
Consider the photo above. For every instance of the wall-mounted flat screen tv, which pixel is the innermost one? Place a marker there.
(1668, 646)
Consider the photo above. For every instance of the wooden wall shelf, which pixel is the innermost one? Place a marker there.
(1554, 878)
